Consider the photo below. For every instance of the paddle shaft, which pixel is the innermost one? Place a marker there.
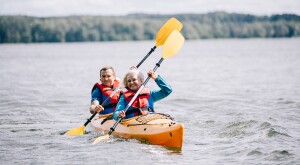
(164, 35)
(104, 102)
(115, 91)
(152, 50)
(112, 129)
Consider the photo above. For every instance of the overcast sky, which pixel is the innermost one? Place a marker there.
(122, 7)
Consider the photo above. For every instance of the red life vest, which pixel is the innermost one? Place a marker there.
(106, 91)
(140, 102)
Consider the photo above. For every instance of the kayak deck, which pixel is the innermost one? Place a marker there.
(157, 128)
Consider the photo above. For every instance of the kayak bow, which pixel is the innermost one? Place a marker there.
(157, 128)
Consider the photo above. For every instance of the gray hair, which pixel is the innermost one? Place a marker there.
(139, 74)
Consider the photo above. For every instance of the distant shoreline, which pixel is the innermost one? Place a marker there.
(135, 27)
(148, 14)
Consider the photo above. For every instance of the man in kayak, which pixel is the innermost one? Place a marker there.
(102, 91)
(144, 103)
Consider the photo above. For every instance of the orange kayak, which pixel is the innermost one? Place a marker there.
(157, 128)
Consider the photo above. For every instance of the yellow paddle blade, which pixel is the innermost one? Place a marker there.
(173, 44)
(166, 30)
(101, 138)
(76, 131)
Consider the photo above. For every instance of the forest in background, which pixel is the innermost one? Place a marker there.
(26, 29)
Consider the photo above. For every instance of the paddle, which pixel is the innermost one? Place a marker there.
(171, 47)
(163, 34)
(80, 130)
(161, 37)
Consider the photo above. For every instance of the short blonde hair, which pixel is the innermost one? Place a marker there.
(139, 74)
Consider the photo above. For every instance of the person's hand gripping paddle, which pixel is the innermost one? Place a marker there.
(170, 48)
(161, 37)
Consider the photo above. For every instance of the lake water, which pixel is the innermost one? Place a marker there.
(239, 100)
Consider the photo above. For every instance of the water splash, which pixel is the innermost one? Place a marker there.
(237, 128)
(272, 133)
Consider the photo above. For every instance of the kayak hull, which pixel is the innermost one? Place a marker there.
(158, 129)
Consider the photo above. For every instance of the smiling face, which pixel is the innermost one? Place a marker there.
(133, 80)
(107, 77)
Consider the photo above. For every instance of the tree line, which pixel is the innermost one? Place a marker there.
(25, 29)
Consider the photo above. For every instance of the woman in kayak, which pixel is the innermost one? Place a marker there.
(144, 103)
(101, 91)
